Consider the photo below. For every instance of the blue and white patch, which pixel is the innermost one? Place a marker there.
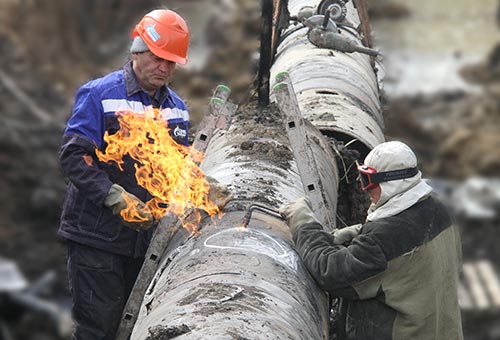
(153, 33)
(178, 132)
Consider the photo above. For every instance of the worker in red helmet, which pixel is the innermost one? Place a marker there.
(105, 253)
(397, 274)
(164, 33)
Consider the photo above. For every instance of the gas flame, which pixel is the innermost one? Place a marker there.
(168, 170)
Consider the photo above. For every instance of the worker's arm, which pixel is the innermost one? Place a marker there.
(335, 267)
(77, 159)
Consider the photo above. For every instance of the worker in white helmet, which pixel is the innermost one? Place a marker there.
(397, 274)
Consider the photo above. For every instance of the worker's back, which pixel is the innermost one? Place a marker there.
(416, 296)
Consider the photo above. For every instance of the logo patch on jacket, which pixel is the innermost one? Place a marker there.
(178, 132)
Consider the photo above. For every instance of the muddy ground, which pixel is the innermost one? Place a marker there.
(47, 73)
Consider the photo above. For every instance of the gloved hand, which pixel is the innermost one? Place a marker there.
(298, 214)
(345, 235)
(116, 200)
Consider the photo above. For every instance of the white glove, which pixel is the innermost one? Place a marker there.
(341, 236)
(298, 214)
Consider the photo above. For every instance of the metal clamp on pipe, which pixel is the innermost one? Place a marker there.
(262, 208)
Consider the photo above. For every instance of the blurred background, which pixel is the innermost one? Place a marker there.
(441, 95)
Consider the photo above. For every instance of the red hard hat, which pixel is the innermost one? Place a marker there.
(165, 33)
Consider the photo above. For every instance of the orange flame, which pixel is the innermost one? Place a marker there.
(168, 170)
(135, 211)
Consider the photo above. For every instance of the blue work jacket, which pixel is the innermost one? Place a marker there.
(85, 218)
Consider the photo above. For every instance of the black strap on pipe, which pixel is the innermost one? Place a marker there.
(265, 52)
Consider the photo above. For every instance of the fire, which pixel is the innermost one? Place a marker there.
(169, 171)
(130, 213)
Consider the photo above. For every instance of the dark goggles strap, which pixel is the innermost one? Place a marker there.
(387, 176)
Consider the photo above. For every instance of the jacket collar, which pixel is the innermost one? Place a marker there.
(131, 82)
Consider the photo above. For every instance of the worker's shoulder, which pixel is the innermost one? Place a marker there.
(176, 98)
(411, 228)
(428, 211)
(105, 84)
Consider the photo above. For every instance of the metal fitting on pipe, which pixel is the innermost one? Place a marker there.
(328, 39)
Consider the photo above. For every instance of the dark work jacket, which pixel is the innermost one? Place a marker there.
(84, 217)
(398, 278)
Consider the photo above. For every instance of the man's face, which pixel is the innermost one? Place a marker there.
(374, 194)
(152, 72)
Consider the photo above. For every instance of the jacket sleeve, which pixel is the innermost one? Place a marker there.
(335, 267)
(77, 159)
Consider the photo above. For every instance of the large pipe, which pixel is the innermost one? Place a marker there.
(230, 282)
(337, 92)
(235, 283)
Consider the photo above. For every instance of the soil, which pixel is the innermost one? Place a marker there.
(163, 333)
(450, 123)
(388, 10)
(264, 122)
(353, 202)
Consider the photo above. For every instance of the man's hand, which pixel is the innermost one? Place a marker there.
(345, 235)
(298, 214)
(117, 199)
